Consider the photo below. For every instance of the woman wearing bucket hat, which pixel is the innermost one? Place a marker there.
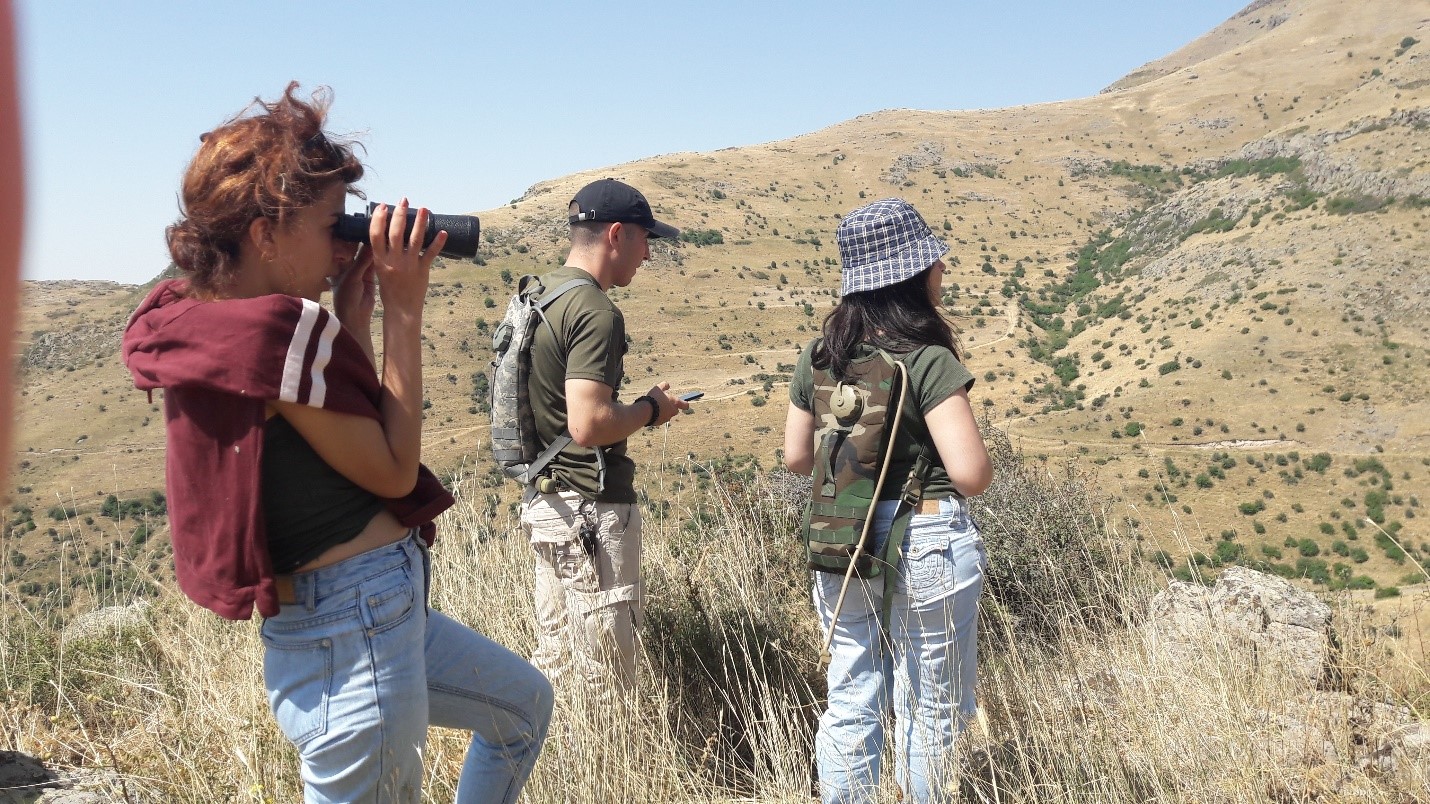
(920, 656)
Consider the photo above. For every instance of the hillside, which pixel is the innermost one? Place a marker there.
(1209, 282)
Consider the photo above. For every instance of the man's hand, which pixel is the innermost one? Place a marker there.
(668, 406)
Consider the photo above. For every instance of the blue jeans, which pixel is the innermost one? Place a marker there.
(928, 677)
(358, 668)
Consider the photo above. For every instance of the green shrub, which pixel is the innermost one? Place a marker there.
(702, 237)
(1215, 221)
(1314, 569)
(1299, 197)
(1354, 204)
(1264, 168)
(1044, 537)
(1229, 552)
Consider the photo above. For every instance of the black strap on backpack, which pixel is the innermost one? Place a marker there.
(909, 498)
(564, 440)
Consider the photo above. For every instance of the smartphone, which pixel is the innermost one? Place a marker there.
(691, 396)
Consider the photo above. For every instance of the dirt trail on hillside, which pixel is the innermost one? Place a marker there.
(1011, 314)
(1236, 444)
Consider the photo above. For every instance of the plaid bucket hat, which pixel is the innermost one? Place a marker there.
(883, 244)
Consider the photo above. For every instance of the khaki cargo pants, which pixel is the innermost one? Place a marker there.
(588, 604)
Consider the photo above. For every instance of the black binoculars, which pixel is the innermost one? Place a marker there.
(463, 231)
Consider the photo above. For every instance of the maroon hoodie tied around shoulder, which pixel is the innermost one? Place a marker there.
(219, 363)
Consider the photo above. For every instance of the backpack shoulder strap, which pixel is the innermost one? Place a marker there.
(562, 441)
(557, 292)
(909, 498)
(546, 299)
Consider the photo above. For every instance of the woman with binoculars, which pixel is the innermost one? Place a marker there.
(294, 475)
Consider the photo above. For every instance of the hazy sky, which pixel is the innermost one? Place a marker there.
(464, 105)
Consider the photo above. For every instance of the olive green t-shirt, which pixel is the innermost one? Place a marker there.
(934, 375)
(590, 344)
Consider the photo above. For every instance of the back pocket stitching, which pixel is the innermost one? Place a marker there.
(325, 648)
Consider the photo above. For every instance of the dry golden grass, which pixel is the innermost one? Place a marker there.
(730, 686)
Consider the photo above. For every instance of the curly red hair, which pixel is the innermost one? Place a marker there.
(268, 161)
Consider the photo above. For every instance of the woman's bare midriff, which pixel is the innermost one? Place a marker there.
(381, 530)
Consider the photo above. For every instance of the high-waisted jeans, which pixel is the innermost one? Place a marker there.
(929, 675)
(359, 667)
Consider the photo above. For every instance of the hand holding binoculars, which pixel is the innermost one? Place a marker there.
(463, 231)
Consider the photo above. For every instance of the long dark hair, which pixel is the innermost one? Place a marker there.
(897, 318)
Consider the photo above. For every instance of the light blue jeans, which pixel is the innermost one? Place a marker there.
(929, 676)
(358, 668)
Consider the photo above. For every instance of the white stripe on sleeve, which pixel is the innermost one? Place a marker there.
(297, 347)
(319, 392)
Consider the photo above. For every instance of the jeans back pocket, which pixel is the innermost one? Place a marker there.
(299, 679)
(927, 570)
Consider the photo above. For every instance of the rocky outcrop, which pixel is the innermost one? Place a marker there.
(106, 622)
(71, 347)
(1327, 171)
(1277, 626)
(26, 780)
(924, 155)
(930, 155)
(1267, 646)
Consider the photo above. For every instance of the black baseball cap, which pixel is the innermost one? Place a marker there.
(609, 200)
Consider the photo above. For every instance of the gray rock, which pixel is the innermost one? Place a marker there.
(109, 620)
(1280, 627)
(23, 779)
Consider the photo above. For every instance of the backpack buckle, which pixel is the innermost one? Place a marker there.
(913, 491)
(912, 495)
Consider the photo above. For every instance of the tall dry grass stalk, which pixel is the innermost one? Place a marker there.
(1077, 704)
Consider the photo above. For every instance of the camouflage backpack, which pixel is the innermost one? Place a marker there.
(856, 429)
(515, 443)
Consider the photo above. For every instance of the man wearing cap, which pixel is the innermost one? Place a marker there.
(581, 513)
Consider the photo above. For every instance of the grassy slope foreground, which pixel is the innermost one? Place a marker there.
(163, 702)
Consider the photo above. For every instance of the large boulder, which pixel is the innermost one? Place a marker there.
(1281, 628)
